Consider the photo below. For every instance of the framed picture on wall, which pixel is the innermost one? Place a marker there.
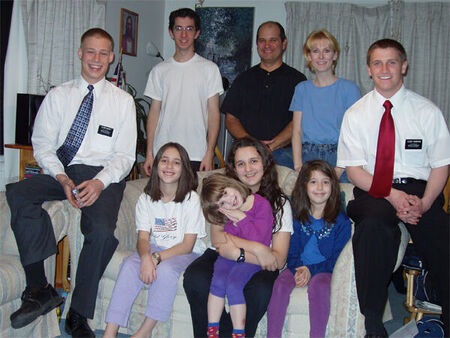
(128, 31)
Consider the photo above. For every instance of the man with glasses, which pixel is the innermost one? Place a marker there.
(185, 93)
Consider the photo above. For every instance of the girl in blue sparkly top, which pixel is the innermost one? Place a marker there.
(321, 231)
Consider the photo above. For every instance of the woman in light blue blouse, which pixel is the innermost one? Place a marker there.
(319, 104)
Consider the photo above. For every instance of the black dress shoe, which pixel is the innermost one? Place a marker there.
(35, 302)
(77, 325)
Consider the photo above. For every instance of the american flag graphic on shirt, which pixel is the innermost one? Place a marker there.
(165, 224)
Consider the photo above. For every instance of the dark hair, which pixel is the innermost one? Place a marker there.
(182, 13)
(97, 32)
(269, 188)
(387, 43)
(186, 183)
(280, 27)
(212, 191)
(301, 205)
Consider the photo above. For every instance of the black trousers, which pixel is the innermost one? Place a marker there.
(33, 230)
(196, 283)
(375, 246)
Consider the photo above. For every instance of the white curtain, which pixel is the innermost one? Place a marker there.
(422, 28)
(424, 31)
(15, 76)
(52, 31)
(353, 26)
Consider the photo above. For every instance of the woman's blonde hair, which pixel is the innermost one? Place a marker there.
(315, 36)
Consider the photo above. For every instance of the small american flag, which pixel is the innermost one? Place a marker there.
(118, 78)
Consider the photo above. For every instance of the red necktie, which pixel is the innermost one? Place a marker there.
(384, 163)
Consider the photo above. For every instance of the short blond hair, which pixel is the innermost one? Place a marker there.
(315, 36)
(99, 33)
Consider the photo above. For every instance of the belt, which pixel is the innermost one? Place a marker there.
(406, 180)
(321, 146)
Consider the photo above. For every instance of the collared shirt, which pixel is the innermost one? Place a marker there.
(260, 100)
(422, 139)
(110, 139)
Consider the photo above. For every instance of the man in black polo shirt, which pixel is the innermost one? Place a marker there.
(257, 104)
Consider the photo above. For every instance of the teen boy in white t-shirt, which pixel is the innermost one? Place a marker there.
(185, 93)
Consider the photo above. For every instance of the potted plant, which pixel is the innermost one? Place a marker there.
(142, 108)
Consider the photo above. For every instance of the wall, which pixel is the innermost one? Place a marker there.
(150, 28)
(264, 10)
(154, 20)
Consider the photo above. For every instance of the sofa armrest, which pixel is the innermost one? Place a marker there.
(8, 244)
(60, 212)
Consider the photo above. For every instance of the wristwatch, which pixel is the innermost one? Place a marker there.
(157, 256)
(241, 258)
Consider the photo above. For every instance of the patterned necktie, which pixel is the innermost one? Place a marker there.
(384, 163)
(78, 129)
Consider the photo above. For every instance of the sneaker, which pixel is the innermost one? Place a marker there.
(35, 302)
(77, 325)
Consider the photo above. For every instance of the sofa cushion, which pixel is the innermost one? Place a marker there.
(113, 268)
(286, 179)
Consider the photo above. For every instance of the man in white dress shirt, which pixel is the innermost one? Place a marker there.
(412, 195)
(96, 170)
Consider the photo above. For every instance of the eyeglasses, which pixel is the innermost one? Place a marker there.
(189, 29)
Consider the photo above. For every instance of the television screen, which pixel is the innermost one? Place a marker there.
(27, 108)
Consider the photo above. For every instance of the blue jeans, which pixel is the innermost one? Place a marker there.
(326, 152)
(283, 156)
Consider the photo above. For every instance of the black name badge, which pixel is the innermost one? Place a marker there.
(413, 144)
(103, 130)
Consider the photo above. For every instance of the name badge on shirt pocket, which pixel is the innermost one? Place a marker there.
(103, 130)
(414, 154)
(413, 144)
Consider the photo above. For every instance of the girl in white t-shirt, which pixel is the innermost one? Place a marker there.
(169, 222)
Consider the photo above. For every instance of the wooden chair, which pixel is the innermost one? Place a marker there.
(219, 156)
(410, 303)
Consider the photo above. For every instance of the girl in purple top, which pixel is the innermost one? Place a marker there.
(245, 215)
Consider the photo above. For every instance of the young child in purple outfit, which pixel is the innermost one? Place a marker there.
(321, 231)
(245, 215)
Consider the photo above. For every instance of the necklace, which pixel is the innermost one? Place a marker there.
(322, 233)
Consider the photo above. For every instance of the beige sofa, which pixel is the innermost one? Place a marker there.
(345, 319)
(12, 278)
